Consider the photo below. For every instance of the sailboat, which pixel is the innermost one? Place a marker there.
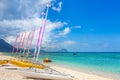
(47, 72)
(20, 62)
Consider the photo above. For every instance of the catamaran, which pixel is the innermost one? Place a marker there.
(21, 62)
(46, 72)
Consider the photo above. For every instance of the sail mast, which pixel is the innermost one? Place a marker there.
(30, 42)
(26, 43)
(14, 44)
(43, 29)
(19, 43)
(22, 43)
(37, 44)
(28, 39)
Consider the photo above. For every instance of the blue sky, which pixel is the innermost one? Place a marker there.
(99, 21)
(77, 25)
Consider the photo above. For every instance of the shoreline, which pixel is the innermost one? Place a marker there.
(79, 75)
(82, 75)
(83, 70)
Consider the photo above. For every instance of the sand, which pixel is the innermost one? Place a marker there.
(8, 74)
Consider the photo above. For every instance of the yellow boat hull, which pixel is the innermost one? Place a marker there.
(25, 64)
(4, 62)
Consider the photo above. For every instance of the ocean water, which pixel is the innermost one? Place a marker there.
(100, 62)
(103, 63)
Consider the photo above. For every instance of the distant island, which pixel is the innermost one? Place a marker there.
(63, 50)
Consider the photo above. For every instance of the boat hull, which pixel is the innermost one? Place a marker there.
(42, 75)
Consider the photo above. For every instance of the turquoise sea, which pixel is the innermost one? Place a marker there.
(102, 63)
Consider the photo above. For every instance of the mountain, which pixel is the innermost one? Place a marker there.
(4, 46)
(63, 50)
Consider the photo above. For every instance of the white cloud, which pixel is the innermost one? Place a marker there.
(32, 8)
(10, 39)
(76, 27)
(18, 26)
(23, 16)
(11, 27)
(68, 42)
(54, 25)
(21, 9)
(45, 1)
(65, 31)
(58, 9)
(57, 45)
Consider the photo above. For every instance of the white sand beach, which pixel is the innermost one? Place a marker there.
(8, 74)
